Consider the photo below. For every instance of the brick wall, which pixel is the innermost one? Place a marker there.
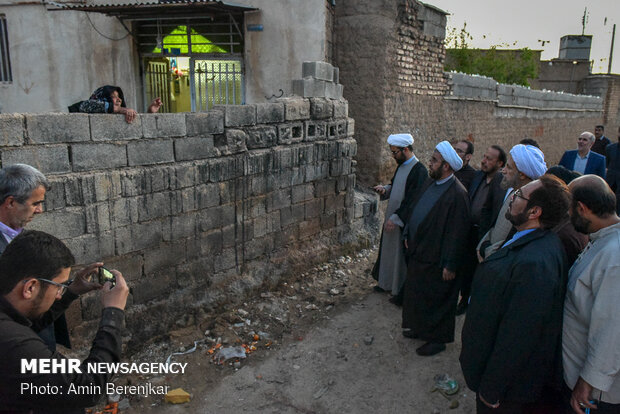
(195, 209)
(391, 55)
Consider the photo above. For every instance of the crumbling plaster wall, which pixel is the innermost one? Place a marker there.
(58, 58)
(199, 209)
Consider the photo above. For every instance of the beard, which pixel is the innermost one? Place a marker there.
(506, 183)
(579, 223)
(434, 174)
(35, 311)
(518, 219)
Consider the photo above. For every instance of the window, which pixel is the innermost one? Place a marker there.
(193, 63)
(5, 61)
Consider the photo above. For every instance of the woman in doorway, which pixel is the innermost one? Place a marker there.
(110, 99)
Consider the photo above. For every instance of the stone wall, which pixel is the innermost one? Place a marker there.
(391, 55)
(195, 209)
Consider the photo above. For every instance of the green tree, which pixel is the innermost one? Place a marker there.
(504, 65)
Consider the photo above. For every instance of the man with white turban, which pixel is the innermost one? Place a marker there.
(525, 164)
(390, 270)
(434, 235)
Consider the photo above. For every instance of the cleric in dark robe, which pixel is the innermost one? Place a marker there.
(435, 237)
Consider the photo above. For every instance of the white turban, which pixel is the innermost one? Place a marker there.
(400, 140)
(529, 160)
(449, 155)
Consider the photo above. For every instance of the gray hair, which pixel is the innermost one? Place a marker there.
(588, 135)
(19, 181)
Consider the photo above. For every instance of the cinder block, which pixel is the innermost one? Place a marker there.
(88, 157)
(150, 152)
(296, 109)
(333, 90)
(309, 87)
(48, 159)
(207, 195)
(64, 224)
(138, 237)
(113, 127)
(124, 212)
(194, 148)
(290, 133)
(57, 128)
(11, 129)
(315, 130)
(302, 193)
(97, 218)
(261, 137)
(93, 247)
(258, 162)
(267, 113)
(341, 108)
(317, 70)
(233, 141)
(152, 206)
(163, 125)
(238, 115)
(350, 127)
(201, 123)
(321, 108)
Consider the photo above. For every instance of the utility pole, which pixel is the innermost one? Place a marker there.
(611, 50)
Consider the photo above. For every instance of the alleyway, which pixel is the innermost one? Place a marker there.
(354, 362)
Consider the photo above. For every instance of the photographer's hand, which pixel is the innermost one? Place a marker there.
(115, 297)
(82, 283)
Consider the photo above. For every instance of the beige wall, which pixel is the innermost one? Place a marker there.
(58, 58)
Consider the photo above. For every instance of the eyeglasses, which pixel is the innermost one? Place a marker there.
(62, 287)
(519, 194)
(397, 151)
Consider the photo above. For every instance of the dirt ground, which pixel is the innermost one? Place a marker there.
(325, 343)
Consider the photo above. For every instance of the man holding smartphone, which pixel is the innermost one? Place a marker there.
(34, 289)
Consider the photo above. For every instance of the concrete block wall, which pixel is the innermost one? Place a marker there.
(195, 209)
(482, 88)
(319, 80)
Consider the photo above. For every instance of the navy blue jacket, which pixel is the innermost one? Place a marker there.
(595, 165)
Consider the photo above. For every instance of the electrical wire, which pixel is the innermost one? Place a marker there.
(107, 37)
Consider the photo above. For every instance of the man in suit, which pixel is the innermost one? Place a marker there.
(613, 169)
(583, 160)
(512, 333)
(601, 142)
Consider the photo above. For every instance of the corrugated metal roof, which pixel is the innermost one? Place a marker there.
(153, 8)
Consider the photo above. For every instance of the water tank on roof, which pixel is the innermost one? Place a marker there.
(575, 47)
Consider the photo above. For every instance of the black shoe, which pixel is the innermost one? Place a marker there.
(377, 288)
(397, 300)
(461, 307)
(409, 334)
(430, 348)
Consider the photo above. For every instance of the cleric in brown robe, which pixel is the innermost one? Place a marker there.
(435, 236)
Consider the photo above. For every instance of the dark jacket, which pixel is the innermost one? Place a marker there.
(466, 175)
(493, 204)
(600, 144)
(595, 164)
(19, 340)
(511, 339)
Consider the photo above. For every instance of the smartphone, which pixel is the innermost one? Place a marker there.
(106, 276)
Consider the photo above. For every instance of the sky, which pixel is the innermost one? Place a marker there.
(529, 22)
